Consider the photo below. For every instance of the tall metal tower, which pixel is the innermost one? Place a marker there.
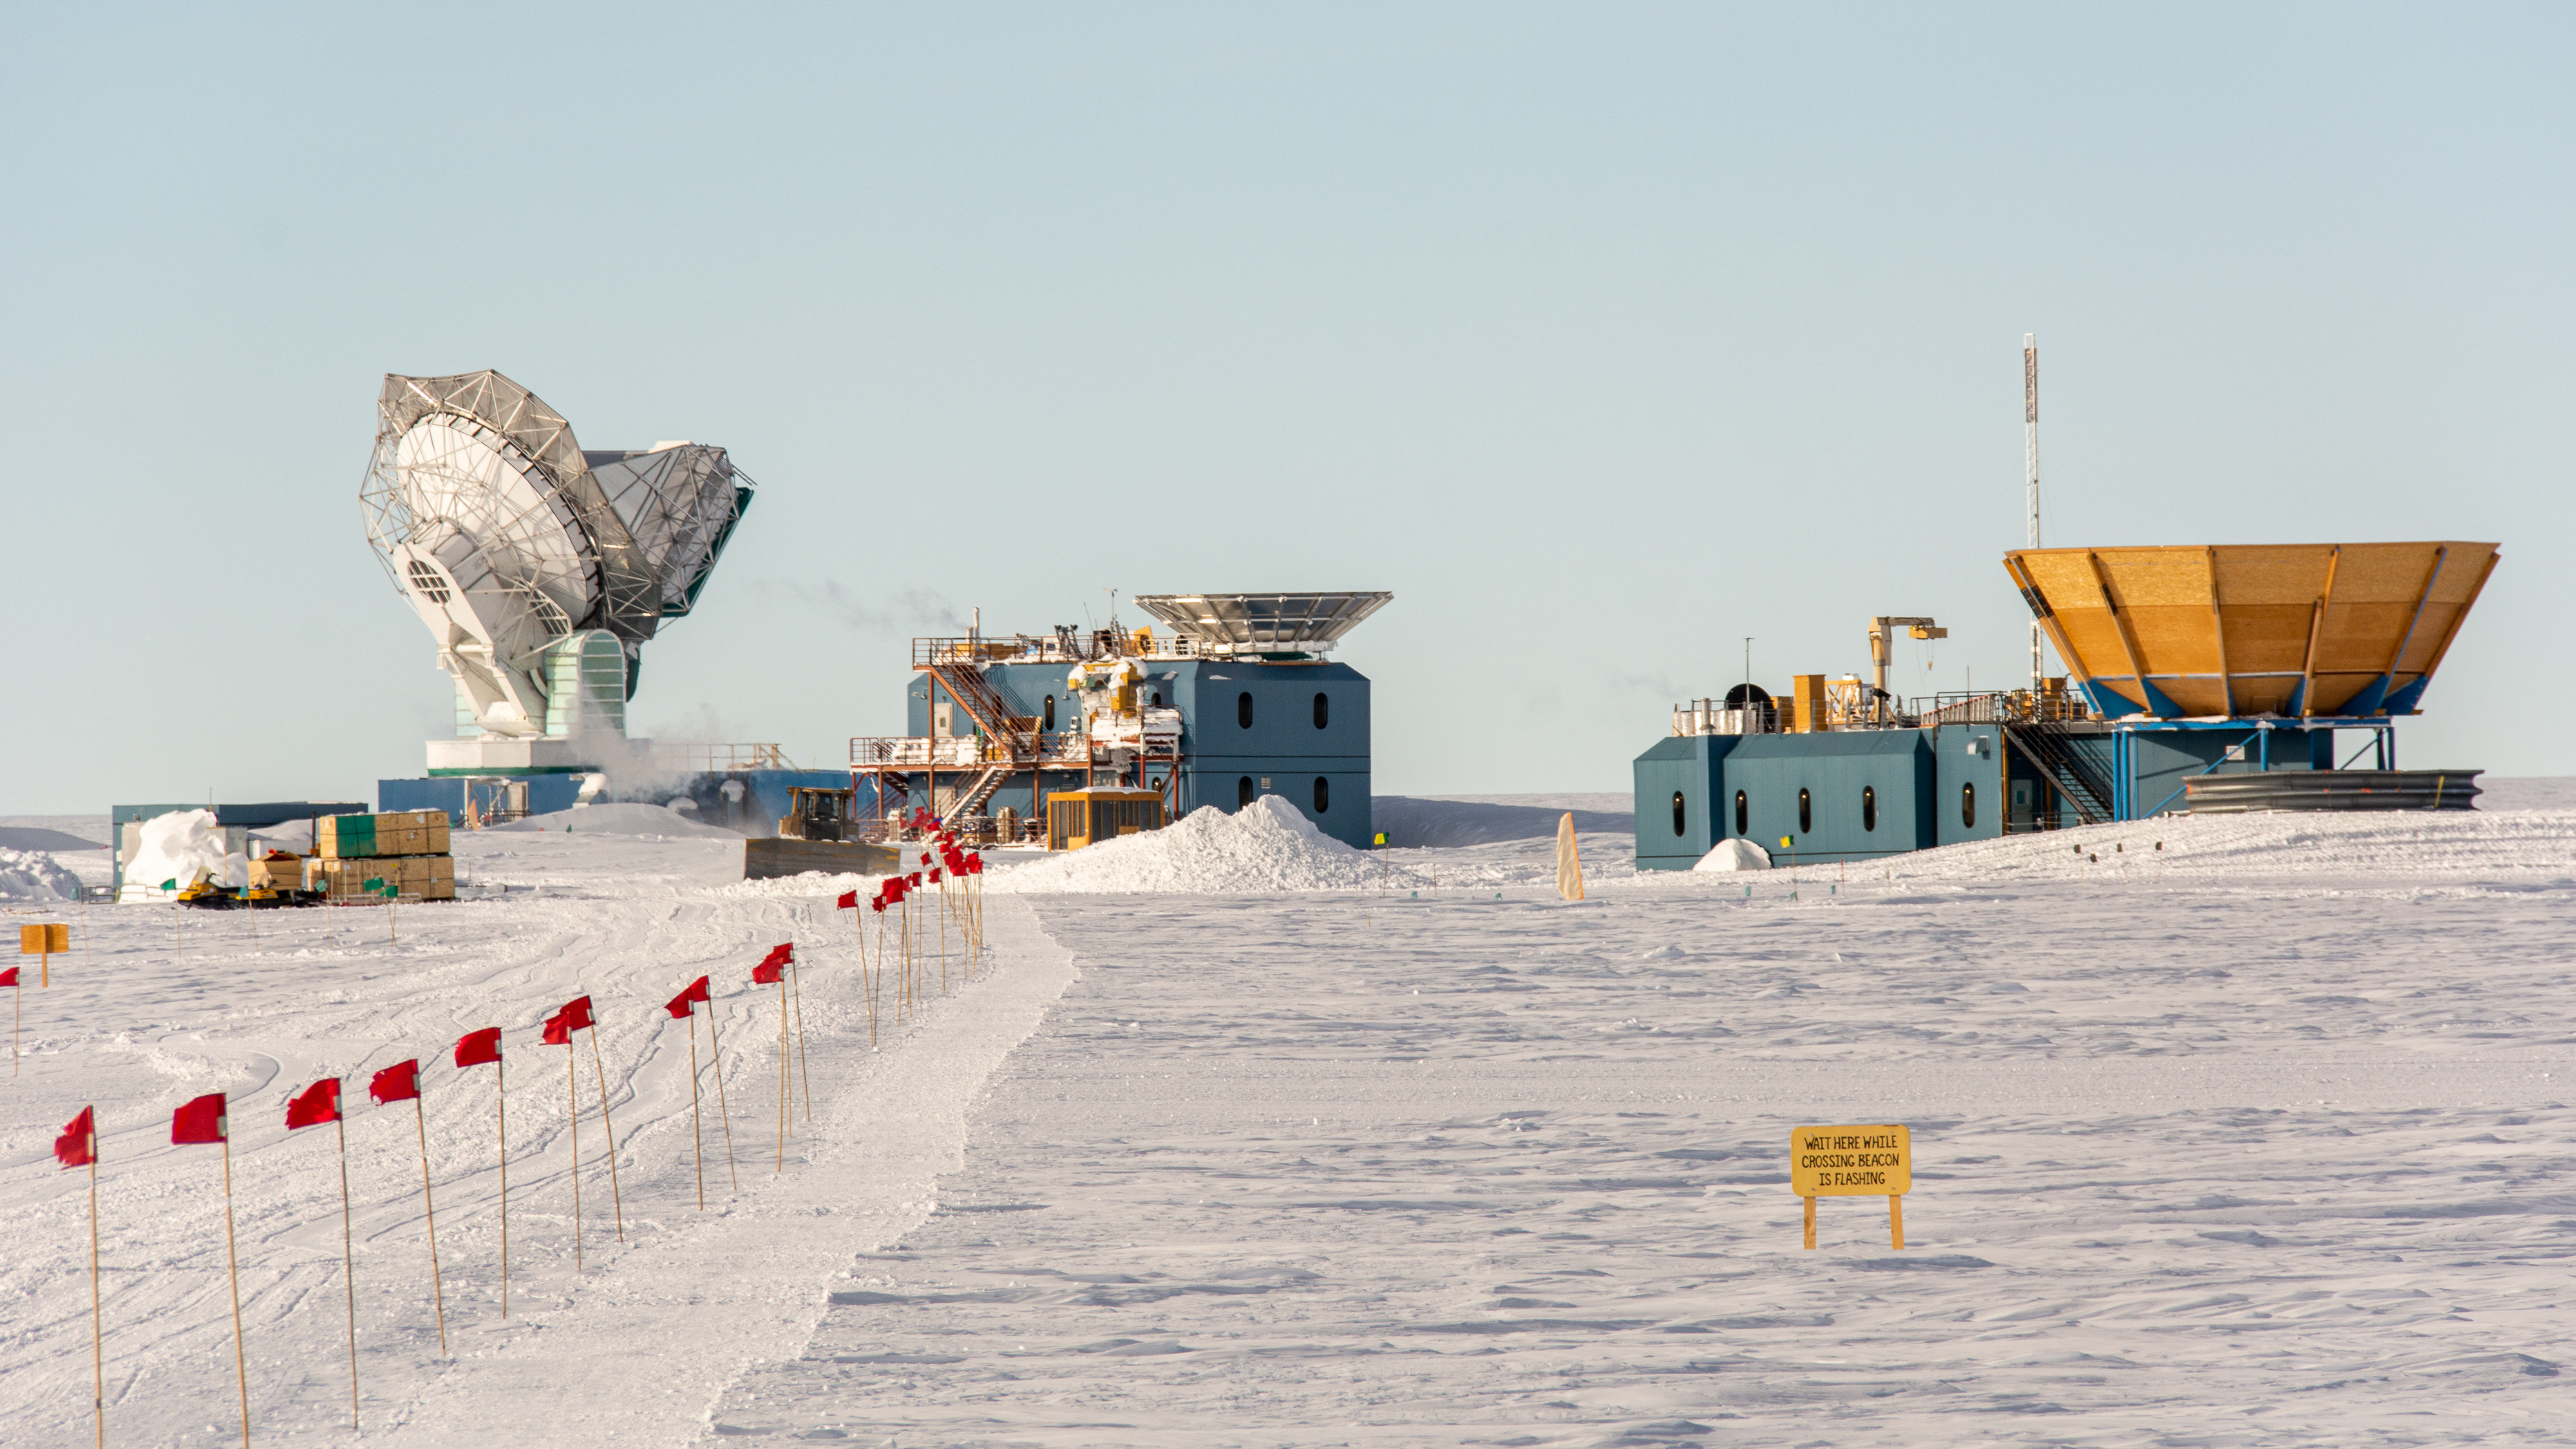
(2030, 466)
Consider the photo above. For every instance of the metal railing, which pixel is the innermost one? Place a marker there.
(718, 758)
(1062, 748)
(2000, 706)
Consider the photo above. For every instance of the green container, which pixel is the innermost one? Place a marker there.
(353, 837)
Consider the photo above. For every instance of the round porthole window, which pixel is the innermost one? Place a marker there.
(1050, 713)
(1968, 804)
(1806, 813)
(1868, 807)
(1680, 816)
(1742, 814)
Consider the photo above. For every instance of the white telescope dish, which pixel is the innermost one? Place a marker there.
(540, 569)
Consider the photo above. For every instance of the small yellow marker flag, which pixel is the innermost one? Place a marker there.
(1784, 842)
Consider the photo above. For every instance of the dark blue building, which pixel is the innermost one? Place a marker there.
(1297, 729)
(1238, 701)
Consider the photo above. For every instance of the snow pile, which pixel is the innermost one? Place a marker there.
(639, 820)
(1266, 846)
(176, 847)
(1737, 854)
(33, 877)
(2418, 844)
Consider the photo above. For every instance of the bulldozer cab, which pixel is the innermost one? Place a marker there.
(817, 813)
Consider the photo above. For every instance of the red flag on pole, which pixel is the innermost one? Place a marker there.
(680, 1005)
(558, 1030)
(576, 1014)
(314, 1105)
(9, 977)
(397, 1083)
(768, 972)
(199, 1121)
(78, 1146)
(697, 990)
(476, 1048)
(780, 954)
(849, 901)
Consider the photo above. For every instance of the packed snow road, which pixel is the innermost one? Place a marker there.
(2214, 1161)
(2260, 1141)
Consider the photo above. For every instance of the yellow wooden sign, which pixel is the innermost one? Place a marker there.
(1854, 1161)
(45, 941)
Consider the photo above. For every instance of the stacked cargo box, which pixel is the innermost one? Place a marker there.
(405, 849)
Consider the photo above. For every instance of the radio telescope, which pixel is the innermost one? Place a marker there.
(540, 568)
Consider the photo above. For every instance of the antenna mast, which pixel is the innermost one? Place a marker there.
(2030, 467)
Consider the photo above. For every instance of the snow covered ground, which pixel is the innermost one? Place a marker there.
(2258, 1139)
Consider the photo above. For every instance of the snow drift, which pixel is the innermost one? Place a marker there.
(1737, 854)
(630, 819)
(175, 847)
(32, 877)
(1266, 846)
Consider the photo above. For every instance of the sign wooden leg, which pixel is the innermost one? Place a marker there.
(1811, 1220)
(1896, 1222)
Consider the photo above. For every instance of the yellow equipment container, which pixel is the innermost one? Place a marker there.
(1806, 705)
(1076, 818)
(2302, 630)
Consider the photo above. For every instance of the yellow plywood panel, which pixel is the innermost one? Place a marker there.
(2277, 574)
(1875, 1160)
(2343, 616)
(2144, 578)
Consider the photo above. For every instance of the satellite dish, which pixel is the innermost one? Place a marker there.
(540, 569)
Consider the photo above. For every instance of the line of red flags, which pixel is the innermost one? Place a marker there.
(206, 1119)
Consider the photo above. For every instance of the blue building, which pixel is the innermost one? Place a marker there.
(1237, 701)
(1298, 729)
(2184, 662)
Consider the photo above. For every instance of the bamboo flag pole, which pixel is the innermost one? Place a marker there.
(782, 1074)
(87, 1125)
(232, 1261)
(804, 1072)
(348, 1264)
(572, 1112)
(501, 1096)
(97, 1352)
(472, 1050)
(724, 1113)
(697, 1130)
(438, 1292)
(16, 991)
(616, 1194)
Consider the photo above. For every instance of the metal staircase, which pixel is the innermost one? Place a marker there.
(2045, 746)
(991, 713)
(979, 792)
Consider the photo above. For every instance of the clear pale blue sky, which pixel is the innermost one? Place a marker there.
(1603, 336)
